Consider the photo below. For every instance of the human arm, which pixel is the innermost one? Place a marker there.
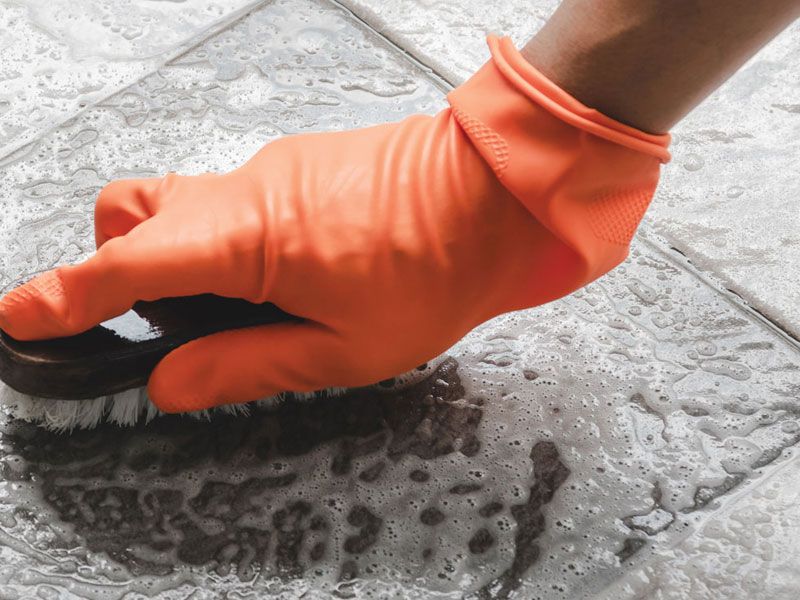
(649, 62)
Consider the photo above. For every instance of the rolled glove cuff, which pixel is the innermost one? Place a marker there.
(586, 177)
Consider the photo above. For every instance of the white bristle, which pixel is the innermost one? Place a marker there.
(127, 406)
(124, 409)
(131, 407)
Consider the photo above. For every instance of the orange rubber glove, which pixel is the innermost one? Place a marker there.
(391, 242)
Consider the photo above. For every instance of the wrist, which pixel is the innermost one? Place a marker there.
(647, 63)
(603, 62)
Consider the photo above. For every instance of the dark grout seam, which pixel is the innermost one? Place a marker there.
(708, 279)
(761, 315)
(438, 79)
(181, 49)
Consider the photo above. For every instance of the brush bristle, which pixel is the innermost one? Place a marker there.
(124, 409)
(132, 407)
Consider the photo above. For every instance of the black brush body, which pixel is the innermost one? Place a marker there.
(120, 354)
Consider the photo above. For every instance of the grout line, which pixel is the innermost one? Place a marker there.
(707, 278)
(731, 501)
(440, 80)
(182, 48)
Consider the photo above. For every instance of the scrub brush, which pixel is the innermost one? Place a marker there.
(99, 375)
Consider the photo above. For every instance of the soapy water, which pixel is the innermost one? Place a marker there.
(370, 485)
(548, 453)
(746, 550)
(60, 57)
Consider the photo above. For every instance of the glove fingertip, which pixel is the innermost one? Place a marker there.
(37, 309)
(171, 391)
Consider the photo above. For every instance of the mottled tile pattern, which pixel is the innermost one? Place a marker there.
(60, 56)
(730, 199)
(748, 550)
(551, 453)
(449, 35)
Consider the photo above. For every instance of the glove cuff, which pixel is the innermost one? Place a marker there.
(586, 177)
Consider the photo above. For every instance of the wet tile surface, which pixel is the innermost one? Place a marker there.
(548, 455)
(449, 35)
(730, 198)
(748, 550)
(60, 56)
(209, 110)
(549, 452)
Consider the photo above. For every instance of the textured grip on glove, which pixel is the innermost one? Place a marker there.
(583, 175)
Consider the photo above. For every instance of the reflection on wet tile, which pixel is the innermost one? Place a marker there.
(60, 56)
(296, 491)
(730, 199)
(293, 493)
(449, 35)
(546, 456)
(748, 550)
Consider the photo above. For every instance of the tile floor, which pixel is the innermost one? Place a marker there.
(60, 56)
(635, 440)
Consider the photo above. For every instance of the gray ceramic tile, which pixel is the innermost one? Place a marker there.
(748, 550)
(547, 455)
(60, 56)
(449, 35)
(729, 200)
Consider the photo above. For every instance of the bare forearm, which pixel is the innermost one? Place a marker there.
(649, 62)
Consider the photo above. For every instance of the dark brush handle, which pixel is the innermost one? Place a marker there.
(121, 353)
